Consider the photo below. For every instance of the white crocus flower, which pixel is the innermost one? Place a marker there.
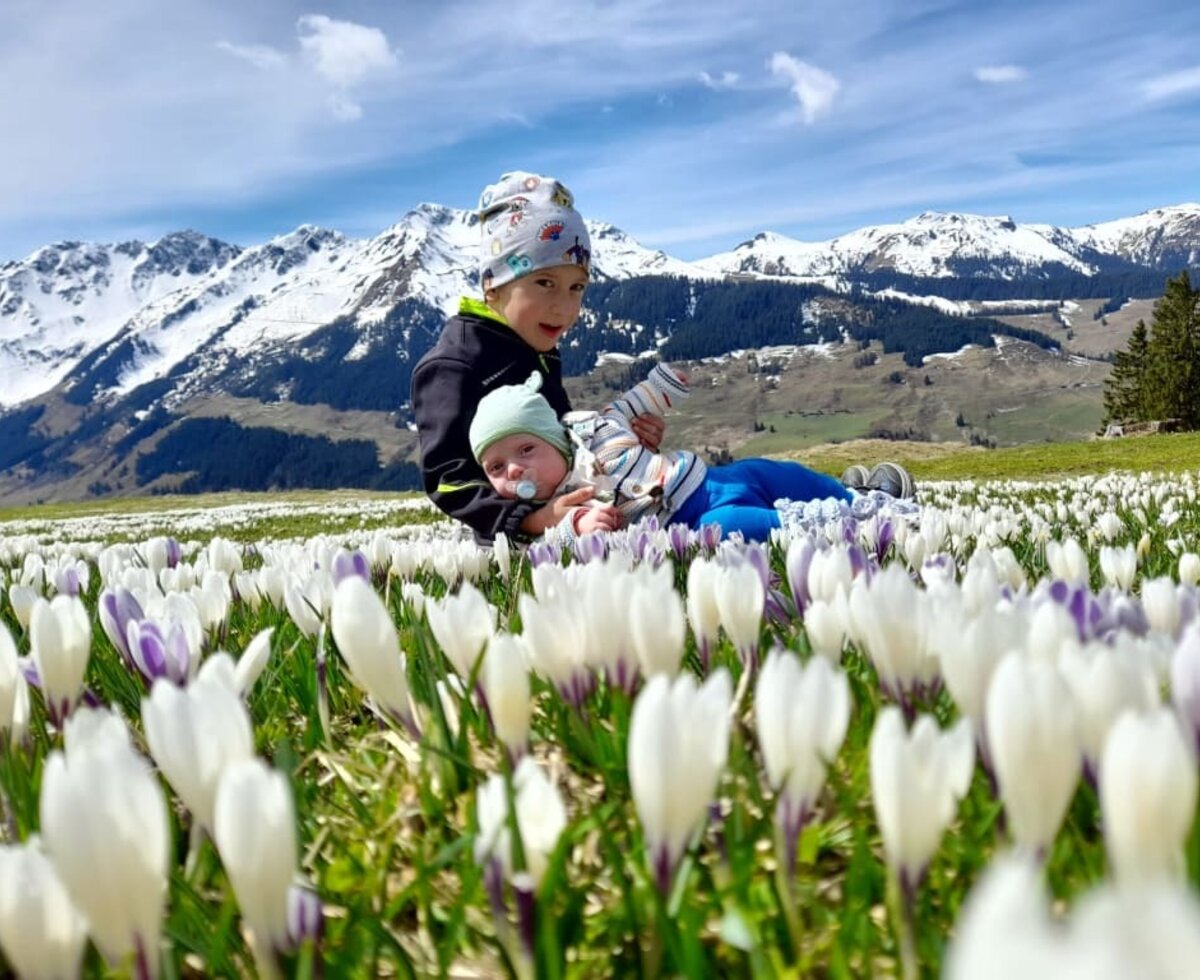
(104, 826)
(195, 733)
(704, 617)
(603, 588)
(1106, 681)
(41, 932)
(829, 570)
(366, 637)
(255, 832)
(308, 603)
(1033, 739)
(60, 640)
(462, 624)
(505, 681)
(802, 712)
(1119, 566)
(1147, 795)
(22, 599)
(502, 556)
(740, 597)
(827, 625)
(10, 679)
(891, 620)
(970, 653)
(253, 661)
(1189, 568)
(1160, 602)
(541, 819)
(917, 779)
(678, 744)
(656, 620)
(1067, 561)
(555, 637)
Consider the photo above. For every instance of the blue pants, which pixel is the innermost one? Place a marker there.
(741, 496)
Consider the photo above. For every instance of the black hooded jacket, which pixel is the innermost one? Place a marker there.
(476, 353)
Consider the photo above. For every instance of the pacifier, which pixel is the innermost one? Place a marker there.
(524, 488)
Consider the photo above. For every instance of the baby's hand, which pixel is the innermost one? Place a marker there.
(599, 519)
(544, 518)
(649, 429)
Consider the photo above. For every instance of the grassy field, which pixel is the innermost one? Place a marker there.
(1175, 453)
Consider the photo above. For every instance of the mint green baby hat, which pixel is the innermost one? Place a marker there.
(516, 408)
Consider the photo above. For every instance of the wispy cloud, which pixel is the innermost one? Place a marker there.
(726, 80)
(813, 87)
(1001, 74)
(244, 119)
(261, 56)
(1176, 83)
(343, 52)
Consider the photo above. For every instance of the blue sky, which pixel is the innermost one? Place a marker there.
(691, 125)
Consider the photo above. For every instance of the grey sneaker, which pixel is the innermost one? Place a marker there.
(856, 477)
(893, 479)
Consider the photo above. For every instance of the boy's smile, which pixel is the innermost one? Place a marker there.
(543, 305)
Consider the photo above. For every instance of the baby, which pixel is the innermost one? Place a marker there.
(528, 453)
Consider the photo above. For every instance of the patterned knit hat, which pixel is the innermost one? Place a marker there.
(516, 408)
(529, 222)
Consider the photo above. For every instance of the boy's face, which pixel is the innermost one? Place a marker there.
(541, 306)
(519, 456)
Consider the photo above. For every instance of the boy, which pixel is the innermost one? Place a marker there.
(526, 452)
(535, 261)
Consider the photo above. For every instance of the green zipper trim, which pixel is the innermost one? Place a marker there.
(451, 487)
(477, 307)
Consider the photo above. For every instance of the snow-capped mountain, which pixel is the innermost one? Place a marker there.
(933, 244)
(110, 318)
(135, 312)
(1162, 237)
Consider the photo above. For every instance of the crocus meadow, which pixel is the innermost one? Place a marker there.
(958, 741)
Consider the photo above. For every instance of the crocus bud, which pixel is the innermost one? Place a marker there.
(22, 599)
(1068, 561)
(104, 826)
(366, 636)
(1147, 795)
(917, 779)
(255, 831)
(159, 652)
(555, 639)
(657, 623)
(1161, 605)
(1189, 568)
(60, 639)
(253, 661)
(802, 712)
(891, 620)
(541, 818)
(1118, 566)
(346, 563)
(1033, 739)
(195, 733)
(827, 624)
(10, 677)
(505, 681)
(502, 556)
(740, 597)
(678, 744)
(462, 623)
(1185, 682)
(703, 615)
(41, 932)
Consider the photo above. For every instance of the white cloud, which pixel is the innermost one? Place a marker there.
(343, 52)
(813, 87)
(1176, 83)
(261, 56)
(727, 79)
(1000, 74)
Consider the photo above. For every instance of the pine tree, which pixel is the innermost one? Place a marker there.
(1125, 387)
(1172, 379)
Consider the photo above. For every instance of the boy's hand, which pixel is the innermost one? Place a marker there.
(606, 518)
(544, 518)
(649, 429)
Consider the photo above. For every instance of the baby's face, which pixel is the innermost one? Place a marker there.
(543, 305)
(523, 457)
